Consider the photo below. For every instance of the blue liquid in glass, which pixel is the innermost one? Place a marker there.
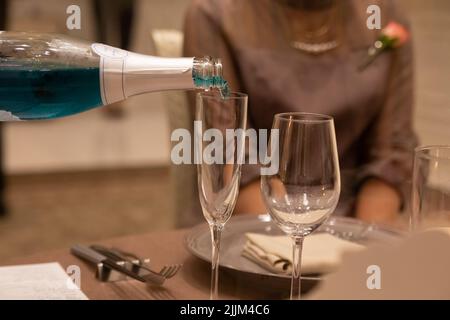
(32, 93)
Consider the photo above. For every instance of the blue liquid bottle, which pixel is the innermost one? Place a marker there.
(44, 76)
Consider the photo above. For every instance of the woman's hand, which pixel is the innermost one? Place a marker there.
(377, 202)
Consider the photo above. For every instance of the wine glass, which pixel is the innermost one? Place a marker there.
(305, 190)
(431, 188)
(219, 153)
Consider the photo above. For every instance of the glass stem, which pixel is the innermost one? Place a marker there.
(216, 233)
(296, 268)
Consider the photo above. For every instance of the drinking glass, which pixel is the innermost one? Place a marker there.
(431, 188)
(219, 150)
(305, 190)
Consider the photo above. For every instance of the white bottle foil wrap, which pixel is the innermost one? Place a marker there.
(124, 74)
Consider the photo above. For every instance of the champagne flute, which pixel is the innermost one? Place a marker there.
(305, 190)
(219, 150)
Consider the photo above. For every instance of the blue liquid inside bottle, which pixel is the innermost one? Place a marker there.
(47, 92)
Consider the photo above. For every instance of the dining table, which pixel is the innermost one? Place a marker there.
(192, 282)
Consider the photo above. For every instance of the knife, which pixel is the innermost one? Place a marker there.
(141, 270)
(95, 257)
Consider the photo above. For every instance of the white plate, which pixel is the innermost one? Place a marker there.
(198, 241)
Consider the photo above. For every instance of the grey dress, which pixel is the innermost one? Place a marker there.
(372, 108)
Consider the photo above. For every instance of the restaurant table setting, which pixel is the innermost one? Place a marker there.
(255, 246)
(298, 244)
(399, 259)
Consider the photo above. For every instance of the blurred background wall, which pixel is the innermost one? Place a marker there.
(431, 25)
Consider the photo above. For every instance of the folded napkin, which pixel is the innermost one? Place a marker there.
(321, 252)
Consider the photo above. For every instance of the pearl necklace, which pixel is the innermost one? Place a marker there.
(315, 48)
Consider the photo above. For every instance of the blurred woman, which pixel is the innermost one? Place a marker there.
(305, 55)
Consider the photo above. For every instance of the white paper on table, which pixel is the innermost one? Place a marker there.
(46, 281)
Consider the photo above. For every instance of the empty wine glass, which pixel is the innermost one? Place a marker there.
(305, 190)
(431, 188)
(219, 150)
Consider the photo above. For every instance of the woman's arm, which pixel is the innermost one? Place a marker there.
(390, 146)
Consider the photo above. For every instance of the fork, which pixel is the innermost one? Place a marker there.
(158, 278)
(167, 271)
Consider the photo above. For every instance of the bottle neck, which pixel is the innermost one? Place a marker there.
(207, 73)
